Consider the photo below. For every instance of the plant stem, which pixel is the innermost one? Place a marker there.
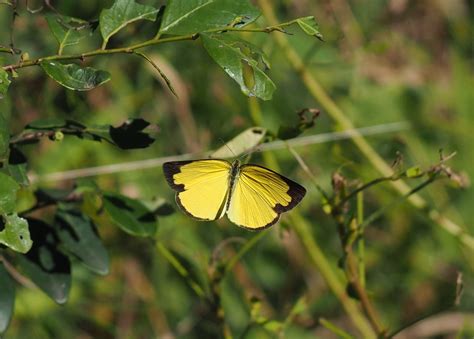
(180, 269)
(335, 112)
(302, 229)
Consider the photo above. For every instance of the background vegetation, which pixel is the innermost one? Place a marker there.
(381, 62)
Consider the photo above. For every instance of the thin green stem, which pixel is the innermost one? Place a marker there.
(361, 242)
(243, 250)
(180, 269)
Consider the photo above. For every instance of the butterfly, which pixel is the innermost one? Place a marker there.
(253, 196)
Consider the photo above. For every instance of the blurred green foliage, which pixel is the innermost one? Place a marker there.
(382, 61)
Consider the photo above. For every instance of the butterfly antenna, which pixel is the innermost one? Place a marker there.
(228, 147)
(251, 151)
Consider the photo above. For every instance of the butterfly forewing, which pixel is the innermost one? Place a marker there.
(202, 186)
(260, 195)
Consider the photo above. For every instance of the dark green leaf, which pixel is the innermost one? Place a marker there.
(17, 163)
(15, 233)
(130, 215)
(7, 298)
(79, 236)
(4, 137)
(129, 135)
(122, 13)
(232, 54)
(306, 120)
(4, 82)
(242, 143)
(48, 268)
(51, 195)
(74, 77)
(8, 189)
(48, 123)
(65, 29)
(194, 16)
(310, 26)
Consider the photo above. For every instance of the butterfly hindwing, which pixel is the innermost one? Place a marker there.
(201, 186)
(260, 195)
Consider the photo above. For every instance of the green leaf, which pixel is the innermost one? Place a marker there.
(194, 16)
(122, 13)
(241, 144)
(7, 298)
(48, 123)
(413, 171)
(4, 136)
(233, 54)
(17, 166)
(309, 26)
(15, 234)
(48, 268)
(79, 236)
(130, 215)
(8, 189)
(4, 82)
(74, 77)
(65, 31)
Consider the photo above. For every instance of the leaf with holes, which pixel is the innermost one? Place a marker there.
(7, 298)
(45, 265)
(15, 233)
(74, 77)
(310, 26)
(194, 16)
(80, 238)
(130, 215)
(122, 13)
(233, 54)
(4, 82)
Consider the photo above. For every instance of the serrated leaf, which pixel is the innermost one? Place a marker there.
(232, 54)
(130, 215)
(74, 77)
(4, 83)
(45, 265)
(310, 26)
(242, 143)
(4, 137)
(122, 13)
(16, 234)
(194, 16)
(63, 30)
(79, 236)
(7, 298)
(8, 189)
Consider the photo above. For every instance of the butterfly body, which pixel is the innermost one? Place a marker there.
(252, 196)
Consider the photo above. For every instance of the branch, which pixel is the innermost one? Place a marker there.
(133, 48)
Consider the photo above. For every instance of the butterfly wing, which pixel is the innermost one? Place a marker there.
(201, 186)
(260, 195)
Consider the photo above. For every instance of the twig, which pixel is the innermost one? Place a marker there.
(155, 162)
(131, 49)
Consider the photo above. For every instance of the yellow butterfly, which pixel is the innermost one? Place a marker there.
(252, 196)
